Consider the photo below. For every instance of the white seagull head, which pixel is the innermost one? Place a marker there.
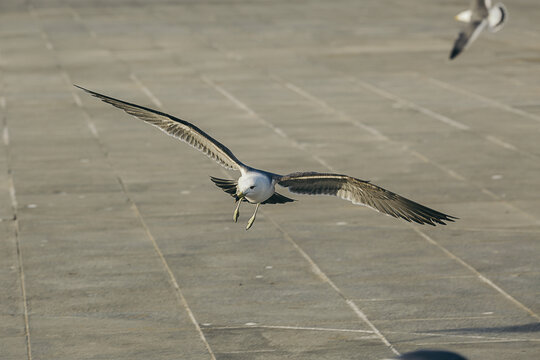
(464, 16)
(255, 187)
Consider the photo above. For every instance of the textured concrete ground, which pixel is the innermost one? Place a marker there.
(116, 245)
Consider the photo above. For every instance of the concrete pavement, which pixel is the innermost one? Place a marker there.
(116, 245)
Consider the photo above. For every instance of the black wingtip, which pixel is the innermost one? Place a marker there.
(80, 87)
(88, 91)
(440, 220)
(229, 186)
(455, 52)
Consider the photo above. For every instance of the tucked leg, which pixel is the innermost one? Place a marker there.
(252, 219)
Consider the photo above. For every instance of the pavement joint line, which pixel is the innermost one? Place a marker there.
(178, 292)
(324, 163)
(172, 277)
(5, 136)
(476, 272)
(23, 285)
(250, 111)
(324, 278)
(330, 109)
(489, 193)
(489, 137)
(16, 229)
(234, 100)
(262, 351)
(77, 99)
(450, 172)
(77, 17)
(146, 91)
(502, 143)
(430, 113)
(492, 102)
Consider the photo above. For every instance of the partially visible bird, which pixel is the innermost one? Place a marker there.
(481, 14)
(258, 186)
(429, 355)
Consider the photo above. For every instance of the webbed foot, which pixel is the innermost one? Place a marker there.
(252, 219)
(236, 213)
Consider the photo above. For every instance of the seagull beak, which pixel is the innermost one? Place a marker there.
(240, 196)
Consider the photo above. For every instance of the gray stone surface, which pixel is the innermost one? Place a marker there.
(115, 244)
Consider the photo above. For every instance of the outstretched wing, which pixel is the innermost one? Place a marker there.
(467, 36)
(179, 129)
(497, 17)
(363, 193)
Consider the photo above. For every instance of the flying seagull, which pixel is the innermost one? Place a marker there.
(258, 186)
(481, 14)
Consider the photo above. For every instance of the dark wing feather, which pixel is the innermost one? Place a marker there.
(229, 186)
(364, 193)
(466, 37)
(277, 199)
(179, 129)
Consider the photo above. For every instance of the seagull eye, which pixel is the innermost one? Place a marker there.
(252, 187)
